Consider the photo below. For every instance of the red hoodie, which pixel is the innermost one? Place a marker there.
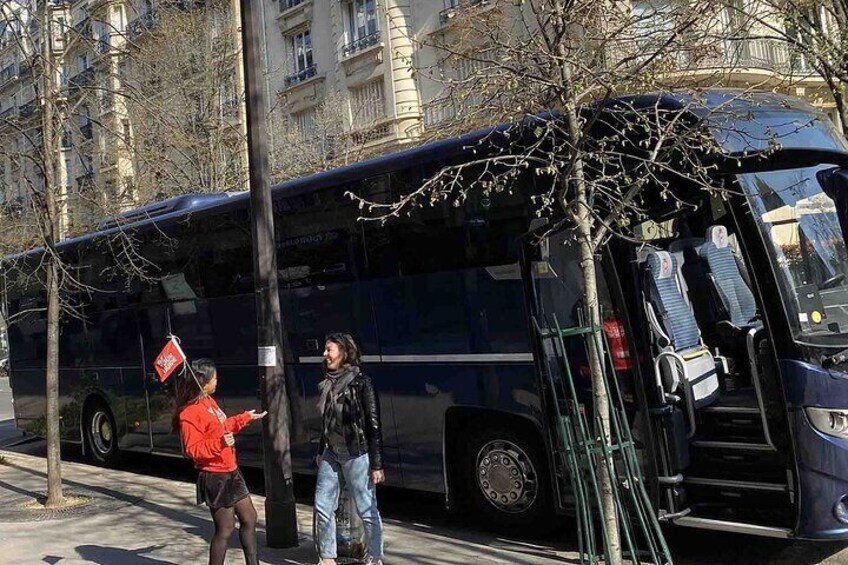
(202, 427)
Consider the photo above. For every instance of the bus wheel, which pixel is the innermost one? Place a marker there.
(506, 480)
(101, 434)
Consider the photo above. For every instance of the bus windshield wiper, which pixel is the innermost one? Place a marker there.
(835, 359)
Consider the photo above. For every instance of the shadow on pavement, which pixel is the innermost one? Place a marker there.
(112, 555)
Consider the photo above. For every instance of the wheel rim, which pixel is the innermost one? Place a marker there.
(506, 476)
(101, 432)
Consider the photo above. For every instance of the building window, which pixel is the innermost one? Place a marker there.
(367, 104)
(300, 45)
(362, 18)
(362, 25)
(304, 123)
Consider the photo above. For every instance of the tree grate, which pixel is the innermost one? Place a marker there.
(24, 506)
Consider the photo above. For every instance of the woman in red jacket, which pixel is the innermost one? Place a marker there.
(208, 438)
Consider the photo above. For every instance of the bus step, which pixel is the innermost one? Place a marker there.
(705, 523)
(735, 485)
(737, 464)
(731, 445)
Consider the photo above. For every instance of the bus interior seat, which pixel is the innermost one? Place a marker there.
(732, 298)
(682, 361)
(683, 250)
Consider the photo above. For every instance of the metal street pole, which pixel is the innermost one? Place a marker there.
(280, 515)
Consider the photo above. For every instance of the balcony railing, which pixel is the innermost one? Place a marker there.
(301, 76)
(87, 131)
(453, 6)
(10, 72)
(82, 27)
(28, 109)
(143, 24)
(289, 4)
(361, 43)
(103, 46)
(82, 79)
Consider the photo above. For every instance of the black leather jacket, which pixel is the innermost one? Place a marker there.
(363, 432)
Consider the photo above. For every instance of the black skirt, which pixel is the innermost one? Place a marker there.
(221, 490)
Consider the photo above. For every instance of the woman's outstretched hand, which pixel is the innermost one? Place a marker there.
(378, 477)
(257, 415)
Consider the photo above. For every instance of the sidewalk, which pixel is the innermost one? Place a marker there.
(146, 520)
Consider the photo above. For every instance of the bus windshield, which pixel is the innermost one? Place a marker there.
(807, 249)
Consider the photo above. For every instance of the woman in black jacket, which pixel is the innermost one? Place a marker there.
(351, 447)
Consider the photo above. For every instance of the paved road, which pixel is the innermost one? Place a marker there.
(689, 547)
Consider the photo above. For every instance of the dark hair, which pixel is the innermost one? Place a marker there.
(186, 390)
(350, 351)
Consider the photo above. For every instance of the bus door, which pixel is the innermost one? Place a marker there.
(155, 328)
(554, 286)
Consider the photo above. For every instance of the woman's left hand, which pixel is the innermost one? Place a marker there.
(257, 416)
(378, 477)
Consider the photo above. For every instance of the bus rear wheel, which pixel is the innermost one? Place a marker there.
(101, 437)
(506, 482)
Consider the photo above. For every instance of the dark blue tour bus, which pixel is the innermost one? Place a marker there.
(727, 324)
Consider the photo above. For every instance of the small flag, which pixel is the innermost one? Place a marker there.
(169, 359)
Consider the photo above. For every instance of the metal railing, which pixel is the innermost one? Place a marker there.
(439, 112)
(301, 76)
(9, 72)
(82, 78)
(361, 43)
(87, 131)
(143, 24)
(289, 4)
(103, 46)
(28, 109)
(452, 6)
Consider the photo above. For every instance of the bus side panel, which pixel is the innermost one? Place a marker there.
(75, 385)
(822, 459)
(423, 393)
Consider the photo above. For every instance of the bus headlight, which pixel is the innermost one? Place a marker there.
(830, 421)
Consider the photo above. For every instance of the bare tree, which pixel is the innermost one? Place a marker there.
(508, 62)
(181, 90)
(813, 37)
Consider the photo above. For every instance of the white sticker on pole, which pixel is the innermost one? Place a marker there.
(267, 356)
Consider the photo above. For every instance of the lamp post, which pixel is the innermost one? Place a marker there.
(280, 512)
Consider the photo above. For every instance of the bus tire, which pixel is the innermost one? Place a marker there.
(505, 479)
(101, 434)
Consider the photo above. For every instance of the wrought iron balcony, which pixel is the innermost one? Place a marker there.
(143, 24)
(87, 131)
(103, 46)
(9, 72)
(82, 79)
(303, 75)
(452, 6)
(28, 109)
(361, 43)
(289, 4)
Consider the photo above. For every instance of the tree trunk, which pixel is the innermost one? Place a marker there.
(51, 233)
(583, 221)
(54, 465)
(840, 95)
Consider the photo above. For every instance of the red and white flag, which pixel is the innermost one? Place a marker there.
(169, 359)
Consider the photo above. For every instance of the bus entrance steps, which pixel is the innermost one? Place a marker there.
(579, 451)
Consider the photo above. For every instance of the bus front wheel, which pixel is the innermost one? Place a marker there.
(101, 439)
(506, 481)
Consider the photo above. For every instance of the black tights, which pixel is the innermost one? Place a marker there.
(225, 523)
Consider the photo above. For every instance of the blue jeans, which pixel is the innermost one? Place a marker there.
(355, 472)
